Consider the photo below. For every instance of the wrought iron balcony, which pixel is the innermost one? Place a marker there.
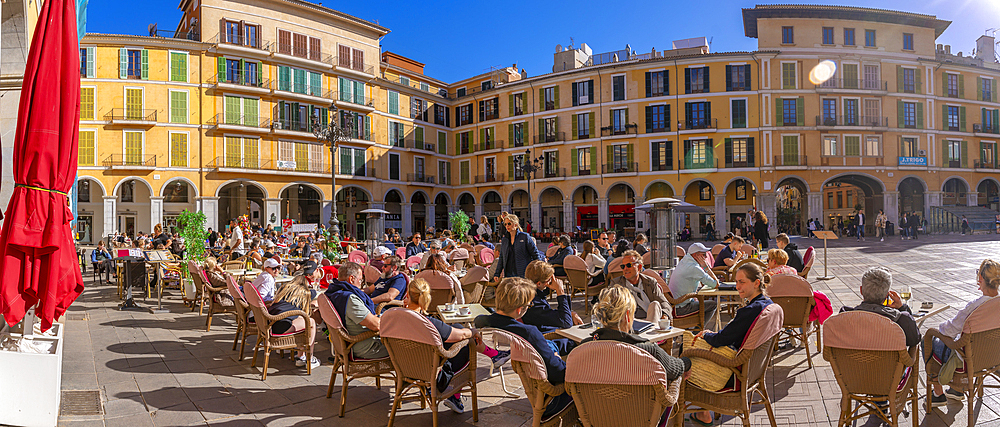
(129, 161)
(623, 130)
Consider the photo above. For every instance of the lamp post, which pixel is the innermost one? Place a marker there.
(528, 165)
(331, 133)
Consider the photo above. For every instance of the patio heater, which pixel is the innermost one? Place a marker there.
(375, 225)
(662, 232)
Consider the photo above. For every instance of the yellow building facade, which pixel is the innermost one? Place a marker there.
(219, 117)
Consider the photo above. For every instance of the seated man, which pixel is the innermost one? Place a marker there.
(794, 257)
(539, 313)
(104, 261)
(392, 284)
(691, 273)
(513, 297)
(379, 257)
(356, 310)
(415, 247)
(650, 303)
(875, 284)
(730, 254)
(433, 248)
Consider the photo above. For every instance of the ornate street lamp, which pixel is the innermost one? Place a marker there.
(528, 165)
(332, 134)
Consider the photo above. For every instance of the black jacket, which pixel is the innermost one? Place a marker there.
(522, 252)
(794, 258)
(903, 317)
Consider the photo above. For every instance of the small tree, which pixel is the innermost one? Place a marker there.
(192, 229)
(459, 223)
(331, 250)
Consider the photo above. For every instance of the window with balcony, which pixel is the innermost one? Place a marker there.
(953, 118)
(87, 149)
(698, 154)
(418, 169)
(738, 113)
(583, 126)
(549, 95)
(851, 112)
(518, 100)
(490, 168)
(656, 84)
(872, 80)
(464, 142)
(418, 109)
(952, 84)
(489, 109)
(465, 115)
(444, 172)
(873, 146)
(698, 115)
(351, 58)
(583, 93)
(619, 158)
(909, 147)
(657, 118)
(394, 166)
(909, 115)
(618, 88)
(953, 150)
(789, 76)
(739, 152)
(619, 119)
(848, 37)
(133, 104)
(987, 90)
(907, 41)
(551, 164)
(788, 35)
(989, 120)
(396, 134)
(696, 80)
(551, 129)
(869, 38)
(463, 172)
(789, 112)
(242, 152)
(662, 156)
(517, 134)
(487, 138)
(240, 33)
(827, 35)
(829, 112)
(583, 160)
(790, 151)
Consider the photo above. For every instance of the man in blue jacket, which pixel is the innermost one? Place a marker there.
(102, 258)
(517, 249)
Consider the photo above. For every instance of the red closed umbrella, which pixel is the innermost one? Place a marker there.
(38, 263)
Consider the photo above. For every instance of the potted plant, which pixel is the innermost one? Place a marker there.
(459, 223)
(192, 230)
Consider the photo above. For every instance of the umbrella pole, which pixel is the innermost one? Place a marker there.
(29, 324)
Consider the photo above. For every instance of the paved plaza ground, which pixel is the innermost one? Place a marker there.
(165, 370)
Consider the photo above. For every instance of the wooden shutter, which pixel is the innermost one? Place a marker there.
(710, 153)
(284, 78)
(649, 87)
(687, 114)
(609, 160)
(285, 42)
(800, 111)
(899, 79)
(900, 118)
(314, 49)
(655, 155)
(593, 160)
(90, 62)
(221, 63)
(590, 91)
(629, 157)
(541, 99)
(315, 84)
(944, 84)
(945, 155)
(687, 80)
(979, 88)
(706, 87)
(541, 131)
(666, 116)
(649, 119)
(576, 95)
(358, 60)
(917, 83)
(944, 117)
(122, 63)
(343, 56)
(510, 105)
(729, 78)
(920, 115)
(482, 139)
(965, 154)
(144, 71)
(666, 82)
(574, 127)
(729, 152)
(746, 78)
(750, 152)
(593, 126)
(574, 162)
(687, 154)
(510, 168)
(556, 96)
(961, 119)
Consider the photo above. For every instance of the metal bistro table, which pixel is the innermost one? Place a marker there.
(242, 273)
(922, 316)
(717, 294)
(454, 317)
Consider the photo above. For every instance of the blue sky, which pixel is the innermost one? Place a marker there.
(458, 40)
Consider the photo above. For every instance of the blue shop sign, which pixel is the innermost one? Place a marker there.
(913, 161)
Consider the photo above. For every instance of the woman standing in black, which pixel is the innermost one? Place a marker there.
(760, 229)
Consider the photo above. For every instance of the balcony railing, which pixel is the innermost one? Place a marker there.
(130, 115)
(482, 179)
(698, 124)
(623, 130)
(444, 180)
(418, 177)
(847, 120)
(622, 167)
(241, 81)
(740, 164)
(350, 65)
(129, 160)
(350, 98)
(550, 173)
(981, 128)
(984, 164)
(302, 89)
(238, 40)
(491, 145)
(254, 163)
(862, 84)
(691, 163)
(790, 160)
(418, 144)
(185, 35)
(550, 137)
(292, 125)
(415, 85)
(248, 121)
(296, 51)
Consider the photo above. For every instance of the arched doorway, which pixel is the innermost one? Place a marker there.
(302, 203)
(989, 194)
(418, 210)
(585, 201)
(791, 198)
(134, 212)
(441, 211)
(240, 198)
(844, 195)
(621, 210)
(350, 202)
(491, 208)
(657, 190)
(741, 197)
(89, 210)
(552, 211)
(178, 196)
(911, 197)
(519, 202)
(954, 193)
(701, 193)
(394, 219)
(467, 204)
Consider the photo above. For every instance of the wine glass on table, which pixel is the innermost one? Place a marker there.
(906, 294)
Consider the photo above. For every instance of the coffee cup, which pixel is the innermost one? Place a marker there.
(449, 307)
(665, 324)
(465, 311)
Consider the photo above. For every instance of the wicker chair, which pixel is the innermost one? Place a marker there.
(459, 258)
(371, 274)
(871, 367)
(579, 280)
(413, 260)
(691, 320)
(979, 347)
(805, 269)
(198, 276)
(475, 282)
(417, 353)
(795, 296)
(443, 287)
(614, 269)
(213, 293)
(631, 389)
(234, 265)
(350, 368)
(748, 249)
(486, 256)
(245, 326)
(679, 252)
(358, 256)
(531, 369)
(301, 339)
(749, 367)
(717, 249)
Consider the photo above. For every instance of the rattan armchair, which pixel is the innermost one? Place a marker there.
(630, 388)
(748, 366)
(417, 353)
(301, 339)
(795, 296)
(459, 258)
(978, 346)
(350, 367)
(690, 320)
(444, 288)
(528, 365)
(245, 326)
(475, 282)
(872, 365)
(213, 292)
(579, 280)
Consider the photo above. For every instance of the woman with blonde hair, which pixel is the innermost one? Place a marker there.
(777, 260)
(294, 295)
(484, 231)
(418, 298)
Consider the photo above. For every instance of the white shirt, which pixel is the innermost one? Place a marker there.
(237, 237)
(953, 327)
(265, 286)
(595, 262)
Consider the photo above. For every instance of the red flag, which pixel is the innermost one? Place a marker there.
(38, 262)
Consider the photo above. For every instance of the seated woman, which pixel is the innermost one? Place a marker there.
(988, 279)
(539, 313)
(418, 298)
(294, 295)
(437, 262)
(776, 263)
(560, 255)
(639, 244)
(595, 262)
(750, 283)
(256, 252)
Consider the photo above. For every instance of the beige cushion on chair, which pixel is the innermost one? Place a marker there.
(574, 262)
(789, 285)
(522, 351)
(406, 324)
(589, 363)
(475, 275)
(551, 251)
(983, 318)
(768, 324)
(460, 253)
(371, 274)
(842, 330)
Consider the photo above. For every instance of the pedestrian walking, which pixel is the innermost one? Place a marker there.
(860, 223)
(880, 221)
(965, 225)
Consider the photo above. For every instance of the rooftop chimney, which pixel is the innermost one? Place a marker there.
(985, 50)
(947, 49)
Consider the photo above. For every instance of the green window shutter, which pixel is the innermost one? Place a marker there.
(961, 86)
(593, 126)
(899, 114)
(982, 117)
(779, 113)
(629, 155)
(920, 115)
(242, 71)
(359, 93)
(945, 156)
(710, 154)
(649, 118)
(576, 95)
(996, 117)
(316, 84)
(590, 91)
(944, 117)
(510, 167)
(90, 62)
(510, 135)
(233, 110)
(706, 86)
(482, 139)
(458, 148)
(961, 118)
(917, 81)
(442, 143)
(574, 127)
(944, 84)
(122, 63)
(393, 102)
(593, 160)
(899, 78)
(281, 111)
(300, 81)
(728, 148)
(649, 88)
(541, 129)
(611, 156)
(993, 91)
(800, 111)
(574, 162)
(145, 64)
(419, 136)
(260, 74)
(510, 104)
(556, 90)
(182, 67)
(979, 88)
(284, 78)
(178, 107)
(965, 154)
(344, 89)
(729, 78)
(541, 99)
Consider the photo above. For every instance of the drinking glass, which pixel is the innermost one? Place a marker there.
(906, 294)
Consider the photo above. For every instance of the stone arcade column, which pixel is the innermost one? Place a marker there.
(407, 215)
(640, 216)
(210, 206)
(721, 218)
(569, 216)
(602, 213)
(273, 207)
(479, 211)
(890, 205)
(156, 211)
(768, 202)
(431, 221)
(536, 216)
(110, 211)
(972, 199)
(815, 206)
(931, 198)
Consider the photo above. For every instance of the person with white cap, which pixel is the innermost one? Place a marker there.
(379, 257)
(264, 283)
(693, 272)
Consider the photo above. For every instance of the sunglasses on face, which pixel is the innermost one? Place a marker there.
(630, 264)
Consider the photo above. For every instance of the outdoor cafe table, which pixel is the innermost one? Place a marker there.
(293, 259)
(579, 333)
(921, 317)
(243, 273)
(717, 294)
(454, 317)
